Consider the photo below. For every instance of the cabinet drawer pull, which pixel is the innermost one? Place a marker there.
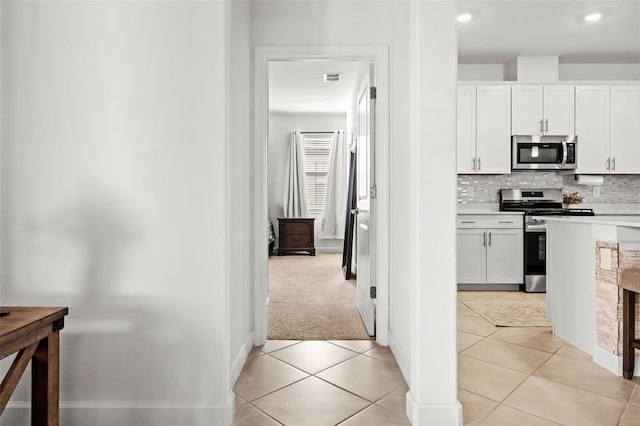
(505, 221)
(468, 221)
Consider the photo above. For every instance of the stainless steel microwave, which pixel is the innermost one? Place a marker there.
(544, 152)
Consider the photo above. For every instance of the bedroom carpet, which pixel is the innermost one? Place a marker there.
(311, 300)
(503, 313)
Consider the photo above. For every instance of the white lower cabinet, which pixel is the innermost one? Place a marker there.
(505, 256)
(490, 251)
(472, 256)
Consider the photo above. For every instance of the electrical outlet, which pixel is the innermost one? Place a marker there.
(596, 191)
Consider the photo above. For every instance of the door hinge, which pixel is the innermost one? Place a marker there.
(372, 292)
(373, 192)
(373, 93)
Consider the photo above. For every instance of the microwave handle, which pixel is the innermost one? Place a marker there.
(564, 153)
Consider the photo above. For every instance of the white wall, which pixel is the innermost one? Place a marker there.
(568, 72)
(280, 127)
(114, 183)
(481, 72)
(368, 23)
(240, 188)
(589, 72)
(432, 397)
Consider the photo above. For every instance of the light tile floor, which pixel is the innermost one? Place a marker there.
(506, 376)
(346, 382)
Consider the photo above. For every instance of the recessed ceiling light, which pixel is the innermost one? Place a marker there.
(465, 17)
(593, 17)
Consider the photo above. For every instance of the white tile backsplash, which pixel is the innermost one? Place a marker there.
(616, 189)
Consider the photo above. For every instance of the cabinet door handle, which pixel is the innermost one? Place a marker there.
(489, 238)
(546, 125)
(608, 164)
(613, 163)
(474, 163)
(541, 125)
(484, 238)
(479, 164)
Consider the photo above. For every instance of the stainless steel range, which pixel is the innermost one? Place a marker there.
(536, 202)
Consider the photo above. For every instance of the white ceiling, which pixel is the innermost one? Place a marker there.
(501, 31)
(506, 29)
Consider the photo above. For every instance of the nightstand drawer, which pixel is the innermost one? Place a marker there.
(298, 228)
(296, 240)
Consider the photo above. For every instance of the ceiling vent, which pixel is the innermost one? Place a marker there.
(332, 78)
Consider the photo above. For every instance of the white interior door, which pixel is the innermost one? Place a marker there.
(365, 237)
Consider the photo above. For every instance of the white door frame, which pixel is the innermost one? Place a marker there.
(262, 56)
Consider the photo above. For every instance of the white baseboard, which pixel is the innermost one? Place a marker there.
(433, 414)
(241, 357)
(105, 414)
(329, 249)
(612, 362)
(401, 357)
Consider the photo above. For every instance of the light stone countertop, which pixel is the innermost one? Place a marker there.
(482, 208)
(632, 221)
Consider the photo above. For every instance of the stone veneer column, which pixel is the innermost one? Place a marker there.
(613, 267)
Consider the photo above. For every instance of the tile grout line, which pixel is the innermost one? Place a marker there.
(317, 372)
(626, 407)
(369, 402)
(266, 414)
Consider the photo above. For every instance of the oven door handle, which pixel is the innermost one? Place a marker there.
(564, 153)
(535, 227)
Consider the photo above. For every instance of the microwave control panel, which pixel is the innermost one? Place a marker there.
(571, 153)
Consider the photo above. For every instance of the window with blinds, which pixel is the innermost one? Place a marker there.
(317, 151)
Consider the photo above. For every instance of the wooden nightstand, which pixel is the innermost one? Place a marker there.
(296, 234)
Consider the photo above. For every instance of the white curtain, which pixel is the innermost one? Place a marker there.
(332, 225)
(295, 196)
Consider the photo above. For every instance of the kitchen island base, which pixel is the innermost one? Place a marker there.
(586, 262)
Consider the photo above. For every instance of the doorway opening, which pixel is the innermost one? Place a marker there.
(268, 123)
(314, 123)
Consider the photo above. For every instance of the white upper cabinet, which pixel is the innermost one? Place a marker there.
(484, 137)
(493, 135)
(592, 129)
(466, 129)
(608, 129)
(526, 110)
(542, 110)
(625, 130)
(559, 110)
